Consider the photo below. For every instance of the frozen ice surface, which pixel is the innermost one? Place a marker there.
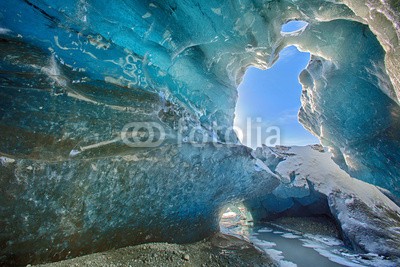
(295, 251)
(368, 219)
(74, 74)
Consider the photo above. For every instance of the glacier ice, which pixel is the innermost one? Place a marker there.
(55, 209)
(367, 218)
(72, 75)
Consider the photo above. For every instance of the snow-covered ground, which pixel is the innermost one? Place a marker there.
(290, 248)
(312, 181)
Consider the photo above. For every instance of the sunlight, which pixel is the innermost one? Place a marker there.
(271, 98)
(293, 26)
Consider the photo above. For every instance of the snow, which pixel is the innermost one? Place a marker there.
(327, 176)
(4, 30)
(276, 255)
(278, 232)
(265, 230)
(196, 54)
(315, 179)
(74, 152)
(328, 247)
(290, 235)
(6, 160)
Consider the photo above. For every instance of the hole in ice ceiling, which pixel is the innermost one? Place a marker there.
(268, 103)
(293, 26)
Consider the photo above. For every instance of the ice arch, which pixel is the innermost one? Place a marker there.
(88, 68)
(272, 97)
(144, 53)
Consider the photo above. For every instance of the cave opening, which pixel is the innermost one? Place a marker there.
(236, 218)
(269, 101)
(293, 26)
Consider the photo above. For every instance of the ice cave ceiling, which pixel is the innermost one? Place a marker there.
(74, 74)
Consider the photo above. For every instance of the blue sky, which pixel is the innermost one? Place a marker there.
(273, 95)
(293, 25)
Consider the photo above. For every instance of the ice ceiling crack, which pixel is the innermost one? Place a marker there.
(73, 75)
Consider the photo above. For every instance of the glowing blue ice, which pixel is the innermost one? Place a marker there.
(74, 74)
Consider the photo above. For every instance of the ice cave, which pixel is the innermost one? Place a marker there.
(118, 145)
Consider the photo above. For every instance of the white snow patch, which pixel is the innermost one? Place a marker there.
(290, 236)
(74, 152)
(322, 250)
(4, 30)
(330, 178)
(277, 232)
(329, 241)
(328, 247)
(217, 11)
(276, 255)
(54, 73)
(265, 230)
(147, 15)
(5, 160)
(262, 166)
(285, 263)
(316, 167)
(349, 201)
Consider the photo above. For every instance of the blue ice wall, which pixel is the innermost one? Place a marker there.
(73, 74)
(195, 54)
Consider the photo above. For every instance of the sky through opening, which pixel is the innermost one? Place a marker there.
(271, 98)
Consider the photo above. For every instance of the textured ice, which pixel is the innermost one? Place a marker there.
(276, 255)
(74, 74)
(328, 247)
(315, 185)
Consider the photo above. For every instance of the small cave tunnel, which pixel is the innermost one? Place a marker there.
(306, 215)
